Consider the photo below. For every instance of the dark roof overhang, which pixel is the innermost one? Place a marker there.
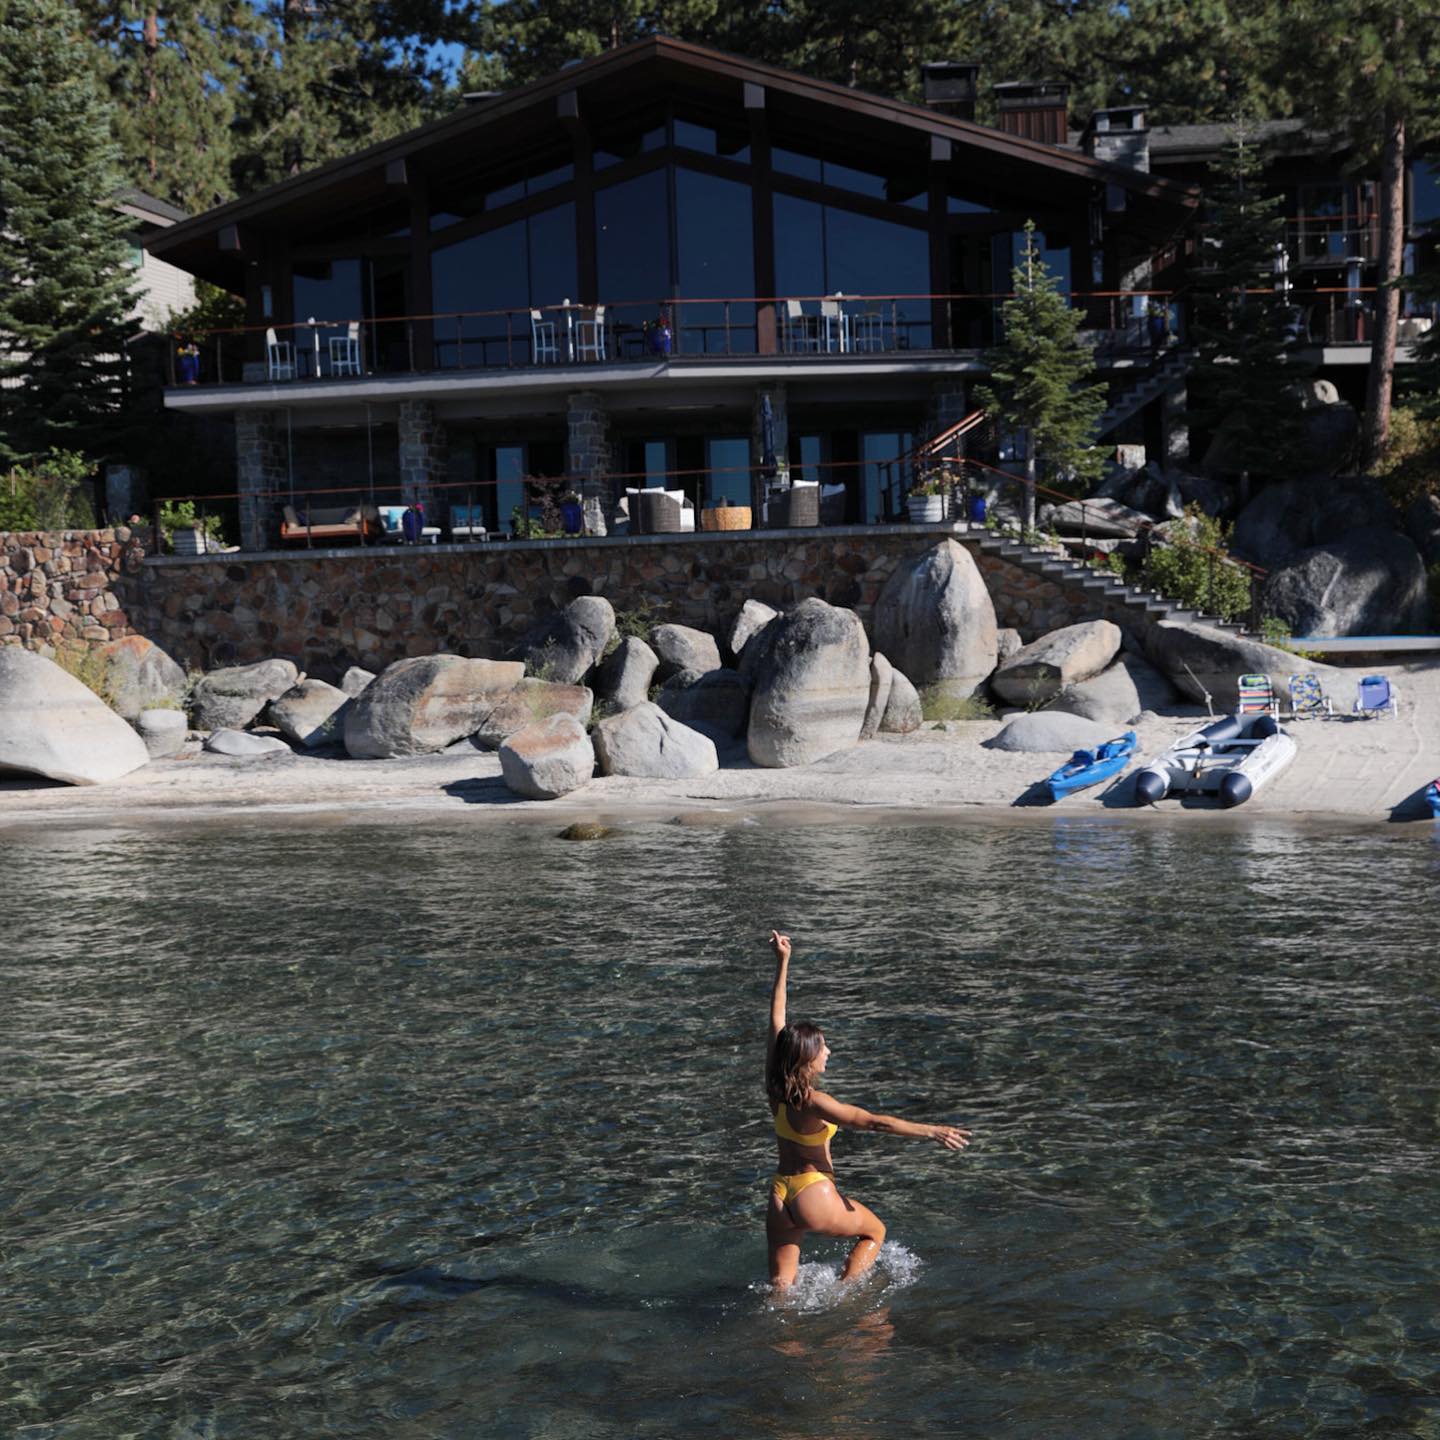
(213, 244)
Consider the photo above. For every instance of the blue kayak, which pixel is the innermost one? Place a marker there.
(1090, 767)
(1432, 798)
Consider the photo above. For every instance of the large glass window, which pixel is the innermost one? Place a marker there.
(504, 273)
(632, 254)
(325, 291)
(876, 448)
(727, 460)
(716, 245)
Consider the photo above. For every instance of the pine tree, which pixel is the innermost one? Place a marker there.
(173, 72)
(63, 254)
(1246, 373)
(1041, 376)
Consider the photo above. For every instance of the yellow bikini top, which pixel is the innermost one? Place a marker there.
(786, 1131)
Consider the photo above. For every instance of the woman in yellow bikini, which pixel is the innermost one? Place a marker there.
(803, 1197)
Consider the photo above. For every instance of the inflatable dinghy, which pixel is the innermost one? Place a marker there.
(1231, 758)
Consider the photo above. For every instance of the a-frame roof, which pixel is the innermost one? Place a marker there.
(517, 119)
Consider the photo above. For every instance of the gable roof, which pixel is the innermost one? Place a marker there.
(514, 116)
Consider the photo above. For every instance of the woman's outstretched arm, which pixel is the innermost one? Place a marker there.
(852, 1117)
(781, 946)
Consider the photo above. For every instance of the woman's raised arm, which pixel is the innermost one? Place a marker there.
(781, 946)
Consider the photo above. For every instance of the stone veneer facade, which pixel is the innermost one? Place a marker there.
(329, 609)
(63, 588)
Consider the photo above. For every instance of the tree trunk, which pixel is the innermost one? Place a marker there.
(1030, 485)
(151, 34)
(1376, 431)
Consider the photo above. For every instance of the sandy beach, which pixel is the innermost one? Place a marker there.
(1347, 770)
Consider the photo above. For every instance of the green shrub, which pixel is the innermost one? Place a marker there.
(88, 667)
(1274, 630)
(638, 622)
(182, 515)
(1411, 464)
(1195, 569)
(52, 493)
(937, 705)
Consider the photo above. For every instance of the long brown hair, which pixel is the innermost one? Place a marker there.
(787, 1080)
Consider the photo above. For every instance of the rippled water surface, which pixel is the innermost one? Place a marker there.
(362, 1131)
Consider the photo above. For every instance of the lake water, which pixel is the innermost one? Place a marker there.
(460, 1132)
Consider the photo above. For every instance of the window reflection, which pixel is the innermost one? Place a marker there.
(632, 254)
(727, 460)
(728, 145)
(613, 150)
(325, 290)
(716, 248)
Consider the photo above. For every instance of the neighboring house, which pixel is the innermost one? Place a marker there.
(163, 289)
(752, 235)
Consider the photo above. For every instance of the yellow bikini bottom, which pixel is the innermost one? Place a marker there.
(786, 1187)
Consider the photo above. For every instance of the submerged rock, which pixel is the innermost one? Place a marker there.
(587, 830)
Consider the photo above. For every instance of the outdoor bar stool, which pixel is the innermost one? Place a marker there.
(279, 357)
(837, 325)
(802, 331)
(345, 351)
(867, 331)
(590, 334)
(543, 349)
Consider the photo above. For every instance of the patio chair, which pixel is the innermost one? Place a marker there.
(1257, 696)
(543, 348)
(1375, 695)
(1308, 699)
(590, 334)
(837, 326)
(345, 351)
(802, 331)
(279, 357)
(867, 331)
(467, 522)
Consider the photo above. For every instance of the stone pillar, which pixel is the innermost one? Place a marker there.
(1175, 426)
(424, 453)
(587, 441)
(262, 473)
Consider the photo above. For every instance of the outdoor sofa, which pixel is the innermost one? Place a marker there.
(329, 525)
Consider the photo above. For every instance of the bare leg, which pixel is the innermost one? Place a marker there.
(783, 1240)
(822, 1210)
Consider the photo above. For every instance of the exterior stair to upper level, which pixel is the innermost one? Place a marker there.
(1147, 386)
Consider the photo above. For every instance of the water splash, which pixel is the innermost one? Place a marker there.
(818, 1286)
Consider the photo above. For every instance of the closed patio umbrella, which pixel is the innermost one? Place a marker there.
(767, 439)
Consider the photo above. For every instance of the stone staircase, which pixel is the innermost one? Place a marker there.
(1043, 560)
(1152, 384)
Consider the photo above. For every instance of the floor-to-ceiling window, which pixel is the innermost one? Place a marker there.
(329, 293)
(632, 255)
(727, 474)
(716, 253)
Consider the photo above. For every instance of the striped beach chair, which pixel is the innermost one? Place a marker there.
(1308, 700)
(1257, 696)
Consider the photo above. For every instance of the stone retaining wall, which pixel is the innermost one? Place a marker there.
(63, 588)
(329, 609)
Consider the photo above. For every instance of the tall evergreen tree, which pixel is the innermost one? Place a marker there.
(67, 282)
(1372, 69)
(1041, 378)
(1245, 372)
(172, 71)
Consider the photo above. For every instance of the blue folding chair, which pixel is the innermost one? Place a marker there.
(1375, 695)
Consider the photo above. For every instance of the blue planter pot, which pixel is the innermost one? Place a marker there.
(187, 369)
(572, 517)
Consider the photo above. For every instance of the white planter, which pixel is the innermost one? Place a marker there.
(187, 542)
(925, 509)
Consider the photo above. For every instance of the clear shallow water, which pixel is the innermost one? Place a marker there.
(349, 1132)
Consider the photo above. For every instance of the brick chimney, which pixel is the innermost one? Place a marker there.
(1120, 136)
(951, 87)
(1035, 109)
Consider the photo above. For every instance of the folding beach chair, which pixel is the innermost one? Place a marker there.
(1257, 696)
(1374, 695)
(1308, 700)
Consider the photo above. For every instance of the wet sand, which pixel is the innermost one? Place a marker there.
(1347, 771)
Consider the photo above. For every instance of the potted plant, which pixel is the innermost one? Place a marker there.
(926, 500)
(187, 362)
(572, 513)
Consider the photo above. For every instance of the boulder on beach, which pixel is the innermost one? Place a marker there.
(1049, 732)
(530, 702)
(1097, 516)
(311, 713)
(1007, 643)
(139, 675)
(682, 647)
(1372, 582)
(54, 727)
(754, 616)
(626, 674)
(812, 685)
(716, 703)
(355, 680)
(230, 699)
(646, 743)
(243, 745)
(419, 706)
(572, 642)
(1118, 694)
(1196, 659)
(934, 620)
(1041, 669)
(163, 732)
(902, 710)
(547, 758)
(882, 679)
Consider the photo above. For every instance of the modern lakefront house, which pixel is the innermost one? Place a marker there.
(661, 263)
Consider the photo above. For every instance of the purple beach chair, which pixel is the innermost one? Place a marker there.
(1375, 695)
